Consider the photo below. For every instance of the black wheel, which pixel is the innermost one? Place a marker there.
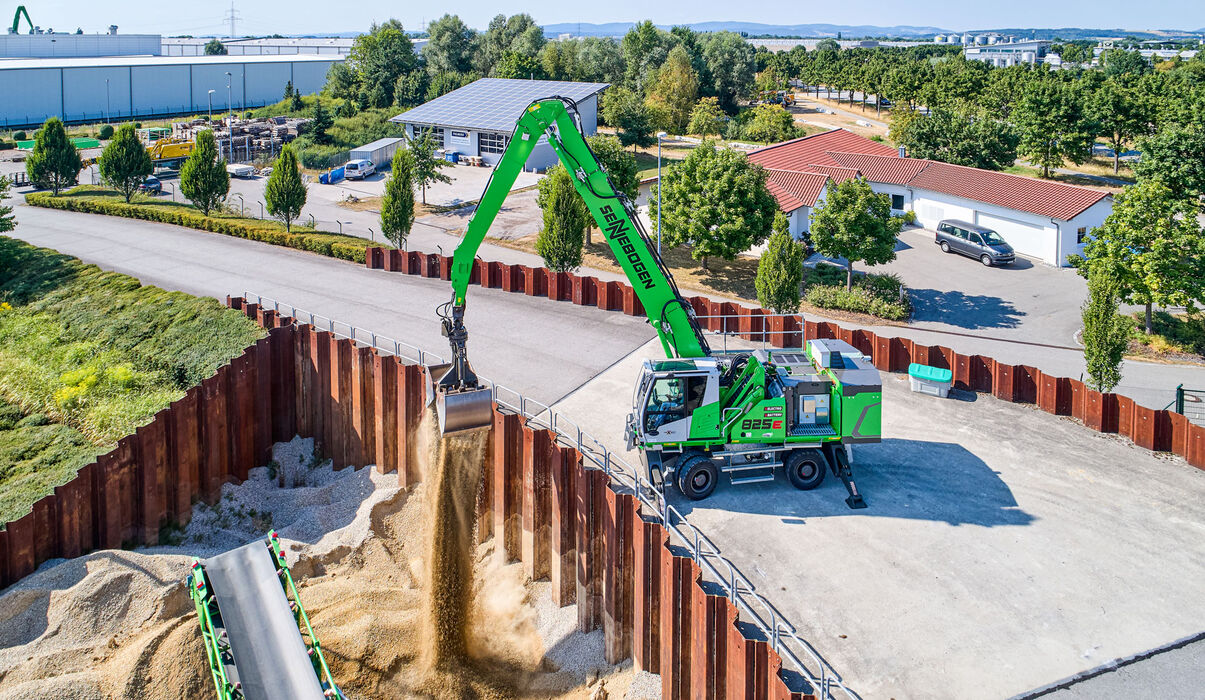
(697, 477)
(945, 247)
(986, 260)
(805, 468)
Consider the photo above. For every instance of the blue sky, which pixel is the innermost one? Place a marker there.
(205, 16)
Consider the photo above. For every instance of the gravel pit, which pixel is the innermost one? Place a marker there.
(119, 624)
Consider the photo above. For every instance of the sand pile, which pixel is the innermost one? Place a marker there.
(118, 624)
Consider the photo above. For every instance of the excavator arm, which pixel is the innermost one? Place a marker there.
(17, 20)
(461, 402)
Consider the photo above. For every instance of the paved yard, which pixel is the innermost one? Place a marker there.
(1027, 301)
(1003, 548)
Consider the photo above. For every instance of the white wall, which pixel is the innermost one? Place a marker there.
(889, 190)
(30, 95)
(77, 45)
(77, 93)
(1030, 235)
(1090, 218)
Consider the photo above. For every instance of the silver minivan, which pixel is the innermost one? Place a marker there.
(358, 169)
(974, 241)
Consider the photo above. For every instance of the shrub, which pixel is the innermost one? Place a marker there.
(331, 245)
(878, 294)
(19, 136)
(106, 132)
(909, 217)
(7, 145)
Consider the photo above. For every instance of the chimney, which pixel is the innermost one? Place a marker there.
(903, 152)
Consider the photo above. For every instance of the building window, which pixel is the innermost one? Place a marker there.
(437, 133)
(897, 202)
(1081, 235)
(491, 143)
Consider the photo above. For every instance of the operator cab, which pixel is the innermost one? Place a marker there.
(667, 394)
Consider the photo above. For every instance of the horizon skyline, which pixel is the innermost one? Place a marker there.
(946, 15)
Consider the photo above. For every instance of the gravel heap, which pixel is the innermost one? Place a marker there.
(120, 624)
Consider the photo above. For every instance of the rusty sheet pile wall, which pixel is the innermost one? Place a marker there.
(565, 521)
(1159, 430)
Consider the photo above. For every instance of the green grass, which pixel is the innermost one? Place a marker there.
(1172, 334)
(35, 456)
(86, 356)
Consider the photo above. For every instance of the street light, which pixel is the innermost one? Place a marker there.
(660, 135)
(211, 108)
(230, 120)
(108, 108)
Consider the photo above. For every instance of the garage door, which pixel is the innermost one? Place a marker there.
(1027, 239)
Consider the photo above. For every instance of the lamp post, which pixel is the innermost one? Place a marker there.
(211, 108)
(230, 120)
(108, 107)
(660, 135)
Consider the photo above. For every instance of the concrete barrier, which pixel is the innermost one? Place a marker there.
(1157, 430)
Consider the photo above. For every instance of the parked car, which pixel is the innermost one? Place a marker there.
(358, 169)
(151, 186)
(974, 241)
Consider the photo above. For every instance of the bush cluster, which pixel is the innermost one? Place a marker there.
(328, 244)
(876, 294)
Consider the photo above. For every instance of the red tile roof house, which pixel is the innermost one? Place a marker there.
(1043, 220)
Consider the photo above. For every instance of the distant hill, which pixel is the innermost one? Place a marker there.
(824, 31)
(817, 31)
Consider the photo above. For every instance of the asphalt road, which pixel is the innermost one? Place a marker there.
(541, 349)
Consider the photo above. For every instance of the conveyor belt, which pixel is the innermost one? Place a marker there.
(271, 656)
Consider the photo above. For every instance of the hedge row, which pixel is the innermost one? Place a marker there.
(328, 244)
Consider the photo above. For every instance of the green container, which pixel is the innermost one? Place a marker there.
(82, 142)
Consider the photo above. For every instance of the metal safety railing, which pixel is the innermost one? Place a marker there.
(1189, 403)
(797, 654)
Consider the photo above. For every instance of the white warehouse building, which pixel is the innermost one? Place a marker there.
(124, 87)
(478, 119)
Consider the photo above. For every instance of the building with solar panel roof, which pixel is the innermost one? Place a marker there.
(477, 120)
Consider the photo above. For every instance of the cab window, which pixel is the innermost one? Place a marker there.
(976, 239)
(672, 399)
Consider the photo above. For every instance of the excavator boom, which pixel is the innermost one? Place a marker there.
(17, 20)
(462, 403)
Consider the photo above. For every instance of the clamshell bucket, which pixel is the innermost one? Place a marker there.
(460, 403)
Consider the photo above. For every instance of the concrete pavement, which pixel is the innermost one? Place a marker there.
(1003, 548)
(536, 347)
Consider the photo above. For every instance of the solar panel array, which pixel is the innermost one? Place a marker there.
(493, 104)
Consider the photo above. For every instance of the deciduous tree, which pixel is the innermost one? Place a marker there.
(1121, 113)
(284, 192)
(715, 201)
(676, 86)
(1052, 126)
(975, 140)
(1106, 333)
(729, 60)
(624, 110)
(397, 206)
(425, 163)
(450, 46)
(1175, 156)
(771, 123)
(1152, 246)
(706, 119)
(780, 270)
(215, 47)
(855, 223)
(125, 163)
(54, 161)
(565, 219)
(203, 177)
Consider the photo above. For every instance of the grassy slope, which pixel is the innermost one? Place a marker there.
(96, 354)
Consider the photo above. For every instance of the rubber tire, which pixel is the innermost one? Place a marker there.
(986, 260)
(697, 477)
(805, 468)
(945, 247)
